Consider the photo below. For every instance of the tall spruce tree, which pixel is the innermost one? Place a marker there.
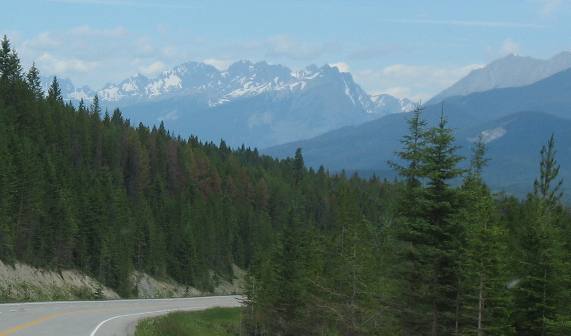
(413, 147)
(10, 67)
(409, 267)
(429, 238)
(483, 299)
(543, 186)
(444, 236)
(34, 82)
(541, 298)
(54, 92)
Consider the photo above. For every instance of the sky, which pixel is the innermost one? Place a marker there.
(407, 48)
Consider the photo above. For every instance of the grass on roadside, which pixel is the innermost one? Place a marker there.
(211, 322)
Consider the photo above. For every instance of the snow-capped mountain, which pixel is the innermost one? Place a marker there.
(68, 90)
(258, 104)
(241, 79)
(509, 71)
(387, 104)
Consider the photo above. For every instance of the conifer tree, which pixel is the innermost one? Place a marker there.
(54, 92)
(541, 298)
(95, 106)
(429, 238)
(298, 166)
(443, 236)
(413, 147)
(10, 67)
(409, 245)
(549, 171)
(34, 82)
(483, 300)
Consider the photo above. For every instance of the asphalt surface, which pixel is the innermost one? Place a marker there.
(95, 318)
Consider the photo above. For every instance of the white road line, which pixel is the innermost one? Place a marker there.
(112, 301)
(138, 314)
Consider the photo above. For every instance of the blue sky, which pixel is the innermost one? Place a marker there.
(406, 48)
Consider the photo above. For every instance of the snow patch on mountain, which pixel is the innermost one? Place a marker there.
(490, 135)
(387, 104)
(171, 116)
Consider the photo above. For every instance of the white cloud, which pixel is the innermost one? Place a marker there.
(277, 48)
(87, 31)
(283, 46)
(65, 66)
(153, 69)
(341, 66)
(113, 51)
(430, 73)
(120, 53)
(401, 92)
(43, 40)
(417, 82)
(220, 64)
(509, 47)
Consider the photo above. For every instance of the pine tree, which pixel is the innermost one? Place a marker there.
(444, 236)
(54, 92)
(413, 148)
(285, 285)
(549, 171)
(541, 299)
(95, 106)
(10, 67)
(429, 238)
(298, 166)
(34, 82)
(483, 301)
(10, 75)
(408, 265)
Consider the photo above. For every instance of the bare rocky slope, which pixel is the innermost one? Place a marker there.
(20, 282)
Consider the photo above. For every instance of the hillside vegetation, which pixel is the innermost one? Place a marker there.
(212, 322)
(82, 188)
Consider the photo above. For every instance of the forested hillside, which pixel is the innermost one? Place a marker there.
(82, 188)
(327, 255)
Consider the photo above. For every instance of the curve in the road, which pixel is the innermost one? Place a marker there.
(164, 311)
(94, 318)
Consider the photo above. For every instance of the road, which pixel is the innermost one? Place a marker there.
(94, 318)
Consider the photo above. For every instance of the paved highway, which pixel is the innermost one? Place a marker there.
(94, 318)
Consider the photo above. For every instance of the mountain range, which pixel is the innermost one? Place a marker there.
(514, 121)
(257, 104)
(514, 103)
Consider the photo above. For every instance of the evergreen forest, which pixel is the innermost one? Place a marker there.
(434, 252)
